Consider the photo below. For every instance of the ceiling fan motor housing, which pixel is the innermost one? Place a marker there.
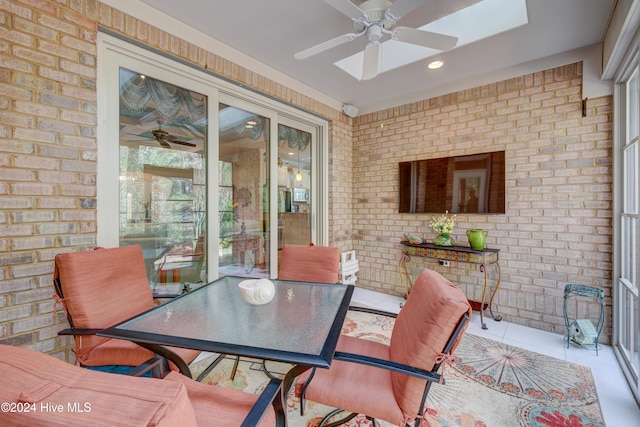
(374, 13)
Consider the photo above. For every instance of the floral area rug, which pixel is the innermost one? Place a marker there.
(490, 384)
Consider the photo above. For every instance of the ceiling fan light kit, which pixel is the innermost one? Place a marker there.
(375, 19)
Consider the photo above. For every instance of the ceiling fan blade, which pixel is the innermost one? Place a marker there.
(370, 63)
(346, 8)
(326, 45)
(424, 38)
(164, 143)
(185, 143)
(401, 7)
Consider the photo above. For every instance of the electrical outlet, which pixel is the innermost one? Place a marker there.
(445, 263)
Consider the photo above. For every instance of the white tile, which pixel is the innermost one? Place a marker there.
(377, 300)
(495, 330)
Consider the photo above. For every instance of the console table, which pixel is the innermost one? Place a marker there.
(482, 258)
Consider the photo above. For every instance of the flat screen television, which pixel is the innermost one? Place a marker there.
(473, 184)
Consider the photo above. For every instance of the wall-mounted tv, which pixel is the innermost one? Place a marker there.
(473, 184)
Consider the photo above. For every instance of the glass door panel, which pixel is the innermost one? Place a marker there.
(162, 204)
(294, 186)
(627, 333)
(243, 171)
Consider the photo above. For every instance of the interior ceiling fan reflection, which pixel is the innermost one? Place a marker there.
(375, 19)
(164, 138)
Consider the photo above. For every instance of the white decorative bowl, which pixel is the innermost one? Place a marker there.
(257, 291)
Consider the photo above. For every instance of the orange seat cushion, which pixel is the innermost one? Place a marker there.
(127, 353)
(102, 399)
(218, 406)
(359, 380)
(49, 386)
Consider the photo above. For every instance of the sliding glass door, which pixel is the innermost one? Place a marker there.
(626, 307)
(162, 170)
(295, 186)
(244, 194)
(266, 187)
(207, 177)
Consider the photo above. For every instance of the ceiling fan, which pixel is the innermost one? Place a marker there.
(164, 138)
(374, 19)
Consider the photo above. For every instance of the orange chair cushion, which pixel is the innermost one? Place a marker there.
(310, 263)
(38, 379)
(424, 326)
(421, 331)
(355, 382)
(127, 353)
(43, 383)
(101, 288)
(222, 407)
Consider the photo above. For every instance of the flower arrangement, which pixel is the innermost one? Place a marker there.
(443, 224)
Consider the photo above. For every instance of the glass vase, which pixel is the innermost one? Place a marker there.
(444, 239)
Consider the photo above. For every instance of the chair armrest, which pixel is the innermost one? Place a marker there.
(372, 311)
(270, 395)
(73, 331)
(158, 366)
(388, 365)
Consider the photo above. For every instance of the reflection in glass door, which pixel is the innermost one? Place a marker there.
(294, 186)
(243, 173)
(162, 205)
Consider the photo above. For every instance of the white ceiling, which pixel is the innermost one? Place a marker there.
(272, 31)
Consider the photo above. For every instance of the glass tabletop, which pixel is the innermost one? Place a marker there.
(300, 325)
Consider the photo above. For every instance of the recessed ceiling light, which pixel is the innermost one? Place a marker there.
(435, 65)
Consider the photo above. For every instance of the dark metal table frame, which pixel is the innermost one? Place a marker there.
(465, 254)
(215, 318)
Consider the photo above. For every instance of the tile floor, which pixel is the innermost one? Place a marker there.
(616, 399)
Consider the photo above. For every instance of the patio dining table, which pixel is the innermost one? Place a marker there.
(300, 325)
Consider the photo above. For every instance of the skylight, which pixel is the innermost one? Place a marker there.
(476, 22)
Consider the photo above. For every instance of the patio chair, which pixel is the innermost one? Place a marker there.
(153, 250)
(310, 263)
(99, 289)
(46, 391)
(391, 382)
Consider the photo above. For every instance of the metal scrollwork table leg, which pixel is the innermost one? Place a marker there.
(483, 269)
(406, 282)
(404, 273)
